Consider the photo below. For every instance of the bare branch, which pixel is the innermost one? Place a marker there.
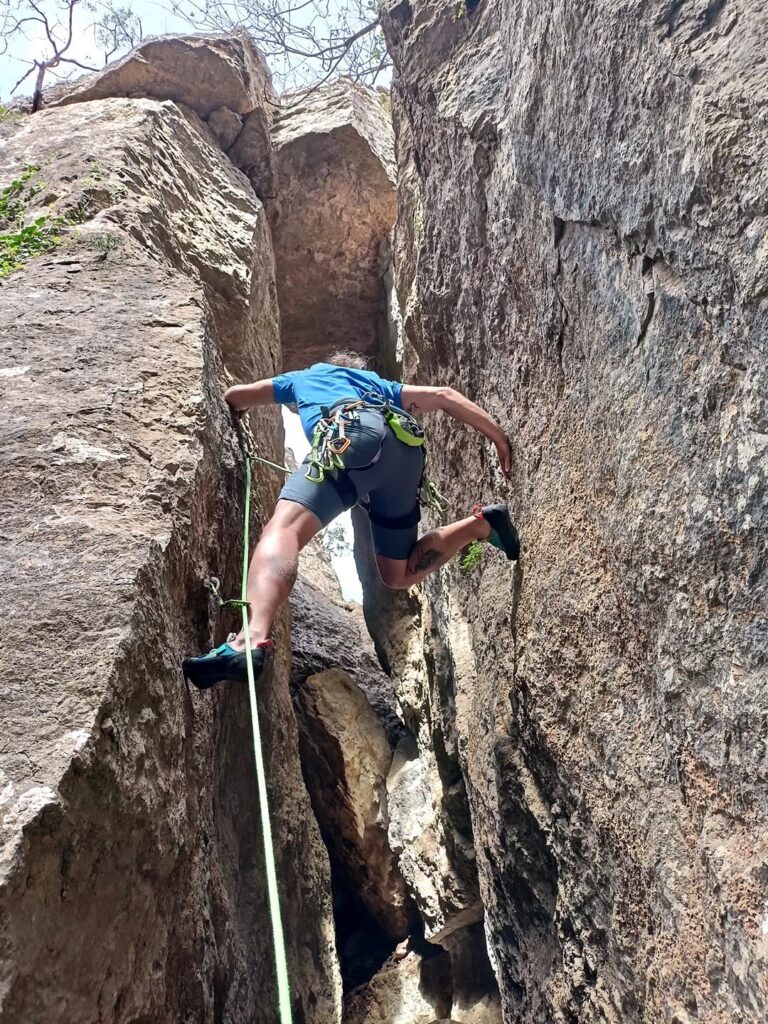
(77, 64)
(306, 41)
(23, 78)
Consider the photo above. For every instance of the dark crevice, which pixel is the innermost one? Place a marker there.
(361, 944)
(561, 336)
(559, 225)
(649, 309)
(647, 269)
(402, 13)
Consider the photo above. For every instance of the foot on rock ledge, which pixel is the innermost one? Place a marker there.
(225, 663)
(503, 534)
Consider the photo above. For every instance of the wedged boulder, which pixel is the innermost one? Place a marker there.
(226, 125)
(252, 152)
(131, 875)
(336, 197)
(410, 988)
(331, 634)
(204, 72)
(346, 757)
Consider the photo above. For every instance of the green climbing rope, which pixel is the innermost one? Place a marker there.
(281, 965)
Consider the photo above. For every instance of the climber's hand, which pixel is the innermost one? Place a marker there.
(505, 455)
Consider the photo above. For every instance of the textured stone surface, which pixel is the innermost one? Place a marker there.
(581, 246)
(337, 206)
(476, 998)
(131, 875)
(316, 569)
(226, 125)
(327, 634)
(346, 757)
(204, 72)
(252, 152)
(430, 825)
(409, 989)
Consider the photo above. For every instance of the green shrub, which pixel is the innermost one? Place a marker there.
(16, 247)
(20, 242)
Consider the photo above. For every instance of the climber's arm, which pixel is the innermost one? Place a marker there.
(423, 399)
(245, 396)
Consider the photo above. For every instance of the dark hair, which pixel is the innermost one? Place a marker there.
(346, 358)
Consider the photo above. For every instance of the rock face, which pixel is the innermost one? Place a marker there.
(409, 989)
(345, 744)
(428, 812)
(581, 250)
(131, 875)
(327, 634)
(208, 73)
(337, 206)
(224, 79)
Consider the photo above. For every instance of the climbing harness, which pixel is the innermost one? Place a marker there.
(281, 964)
(330, 442)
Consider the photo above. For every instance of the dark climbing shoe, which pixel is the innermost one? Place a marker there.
(224, 663)
(503, 533)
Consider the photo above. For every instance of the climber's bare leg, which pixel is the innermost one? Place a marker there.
(275, 565)
(430, 552)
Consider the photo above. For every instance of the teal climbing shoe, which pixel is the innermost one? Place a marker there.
(224, 663)
(503, 534)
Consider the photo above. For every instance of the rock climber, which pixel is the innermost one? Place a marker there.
(367, 447)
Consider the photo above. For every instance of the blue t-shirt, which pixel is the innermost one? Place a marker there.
(324, 384)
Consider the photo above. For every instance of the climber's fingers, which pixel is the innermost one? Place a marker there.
(505, 456)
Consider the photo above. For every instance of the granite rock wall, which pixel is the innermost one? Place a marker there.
(580, 248)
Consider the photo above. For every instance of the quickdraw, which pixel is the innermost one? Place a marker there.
(213, 585)
(330, 442)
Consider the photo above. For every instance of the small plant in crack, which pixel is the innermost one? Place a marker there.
(15, 197)
(104, 243)
(471, 558)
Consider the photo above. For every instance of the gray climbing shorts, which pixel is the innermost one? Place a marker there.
(383, 471)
